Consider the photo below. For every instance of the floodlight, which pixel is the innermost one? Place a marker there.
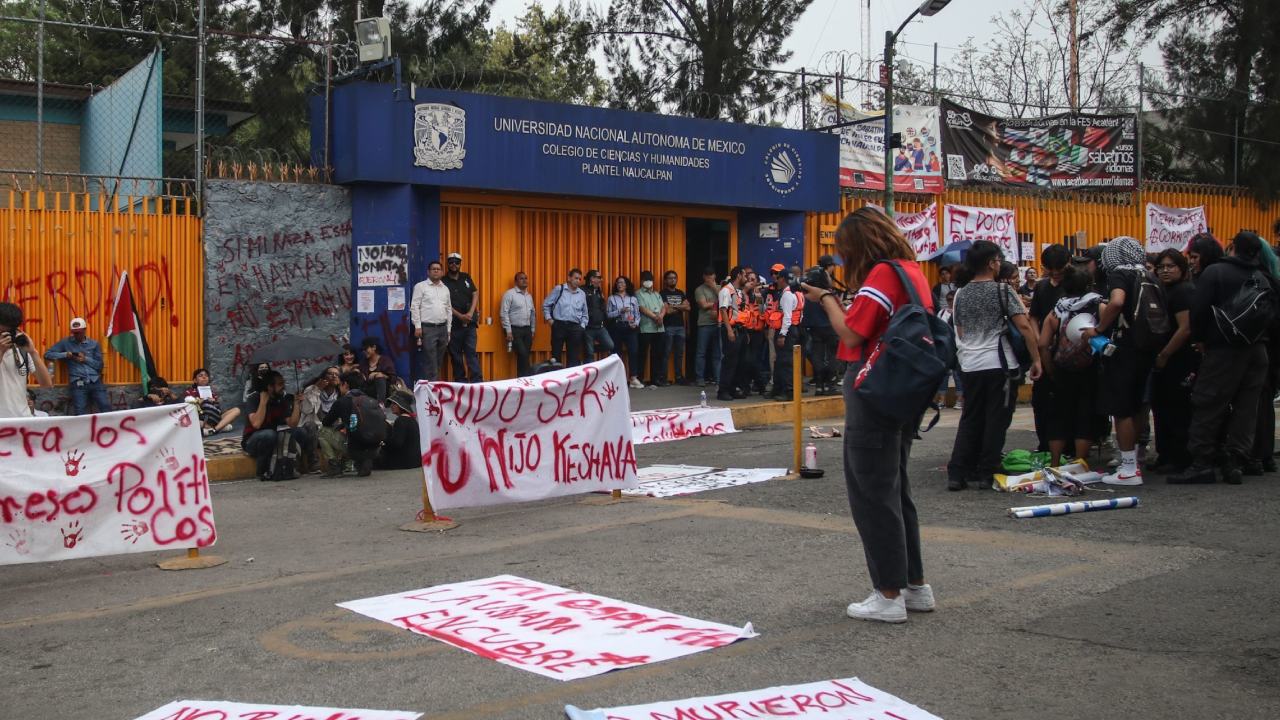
(930, 7)
(373, 35)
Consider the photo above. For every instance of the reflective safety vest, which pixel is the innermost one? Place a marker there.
(773, 312)
(751, 317)
(735, 314)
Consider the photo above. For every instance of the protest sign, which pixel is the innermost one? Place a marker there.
(1173, 227)
(921, 230)
(548, 630)
(917, 166)
(833, 699)
(656, 473)
(1054, 152)
(559, 433)
(655, 426)
(669, 484)
(382, 265)
(968, 225)
(220, 710)
(120, 482)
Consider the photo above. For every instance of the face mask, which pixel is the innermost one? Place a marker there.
(647, 284)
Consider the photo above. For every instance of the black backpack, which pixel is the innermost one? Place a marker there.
(1246, 316)
(284, 461)
(904, 369)
(371, 422)
(1150, 325)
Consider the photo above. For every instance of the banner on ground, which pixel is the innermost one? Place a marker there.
(1173, 227)
(1053, 152)
(848, 698)
(655, 426)
(673, 481)
(966, 225)
(560, 433)
(548, 630)
(220, 710)
(106, 484)
(917, 165)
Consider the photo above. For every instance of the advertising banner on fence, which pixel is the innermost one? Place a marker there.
(560, 433)
(106, 484)
(966, 225)
(548, 630)
(655, 426)
(220, 710)
(1059, 152)
(849, 698)
(917, 165)
(1173, 227)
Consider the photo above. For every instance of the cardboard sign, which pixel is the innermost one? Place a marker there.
(548, 630)
(655, 426)
(830, 700)
(966, 224)
(560, 433)
(688, 483)
(220, 710)
(1173, 227)
(382, 265)
(106, 484)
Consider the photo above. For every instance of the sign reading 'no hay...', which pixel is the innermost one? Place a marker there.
(560, 433)
(106, 484)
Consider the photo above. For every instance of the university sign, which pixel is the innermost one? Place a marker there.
(455, 139)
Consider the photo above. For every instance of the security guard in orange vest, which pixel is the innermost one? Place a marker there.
(756, 369)
(785, 322)
(733, 339)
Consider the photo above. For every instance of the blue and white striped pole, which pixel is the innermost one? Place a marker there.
(1034, 511)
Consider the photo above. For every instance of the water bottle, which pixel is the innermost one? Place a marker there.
(702, 398)
(811, 456)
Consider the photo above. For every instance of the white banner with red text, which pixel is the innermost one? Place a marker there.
(848, 698)
(1173, 227)
(545, 629)
(222, 710)
(661, 481)
(921, 230)
(655, 426)
(559, 433)
(965, 224)
(106, 484)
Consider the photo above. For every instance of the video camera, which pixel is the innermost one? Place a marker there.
(813, 277)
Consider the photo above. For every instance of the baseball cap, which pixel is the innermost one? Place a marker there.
(455, 256)
(826, 261)
(78, 324)
(403, 399)
(778, 267)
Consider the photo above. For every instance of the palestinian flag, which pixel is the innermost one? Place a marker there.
(125, 333)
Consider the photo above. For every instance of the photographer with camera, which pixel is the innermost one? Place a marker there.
(17, 364)
(83, 356)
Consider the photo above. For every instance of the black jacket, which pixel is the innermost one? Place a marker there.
(1216, 286)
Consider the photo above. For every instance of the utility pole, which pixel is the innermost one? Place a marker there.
(1073, 82)
(40, 98)
(200, 41)
(935, 73)
(1142, 107)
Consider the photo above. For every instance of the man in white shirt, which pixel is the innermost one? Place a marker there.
(787, 335)
(517, 318)
(432, 315)
(19, 359)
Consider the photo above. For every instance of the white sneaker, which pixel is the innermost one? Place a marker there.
(919, 598)
(879, 608)
(636, 384)
(1124, 477)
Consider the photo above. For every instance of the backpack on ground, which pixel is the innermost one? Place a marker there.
(1246, 316)
(1067, 354)
(284, 461)
(371, 421)
(904, 369)
(1150, 326)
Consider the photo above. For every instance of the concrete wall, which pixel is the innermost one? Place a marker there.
(277, 265)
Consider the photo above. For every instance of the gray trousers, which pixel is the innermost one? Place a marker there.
(876, 450)
(1226, 395)
(435, 340)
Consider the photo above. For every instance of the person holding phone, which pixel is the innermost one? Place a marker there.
(83, 357)
(17, 362)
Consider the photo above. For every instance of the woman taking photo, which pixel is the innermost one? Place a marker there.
(876, 448)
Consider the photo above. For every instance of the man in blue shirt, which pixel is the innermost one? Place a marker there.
(83, 356)
(566, 309)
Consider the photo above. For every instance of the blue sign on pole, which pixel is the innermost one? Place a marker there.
(465, 140)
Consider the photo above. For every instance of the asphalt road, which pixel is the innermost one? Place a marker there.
(1166, 611)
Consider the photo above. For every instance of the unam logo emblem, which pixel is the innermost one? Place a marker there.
(783, 168)
(439, 136)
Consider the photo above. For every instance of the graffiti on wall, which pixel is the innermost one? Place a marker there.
(87, 292)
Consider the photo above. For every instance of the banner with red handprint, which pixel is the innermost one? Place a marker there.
(107, 484)
(559, 433)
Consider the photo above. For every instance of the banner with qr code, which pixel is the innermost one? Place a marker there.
(1057, 152)
(917, 164)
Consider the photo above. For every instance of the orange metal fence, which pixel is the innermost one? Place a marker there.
(61, 255)
(1048, 219)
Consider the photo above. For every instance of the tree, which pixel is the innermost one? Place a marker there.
(1221, 81)
(547, 55)
(699, 58)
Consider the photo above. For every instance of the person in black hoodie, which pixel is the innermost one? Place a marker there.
(1231, 375)
(595, 336)
(402, 450)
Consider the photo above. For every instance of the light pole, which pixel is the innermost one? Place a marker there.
(927, 8)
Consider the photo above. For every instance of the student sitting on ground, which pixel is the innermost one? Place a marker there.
(158, 393)
(213, 419)
(31, 404)
(270, 412)
(353, 428)
(402, 449)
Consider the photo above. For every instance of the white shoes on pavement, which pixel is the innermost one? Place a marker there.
(636, 384)
(919, 598)
(878, 608)
(1124, 476)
